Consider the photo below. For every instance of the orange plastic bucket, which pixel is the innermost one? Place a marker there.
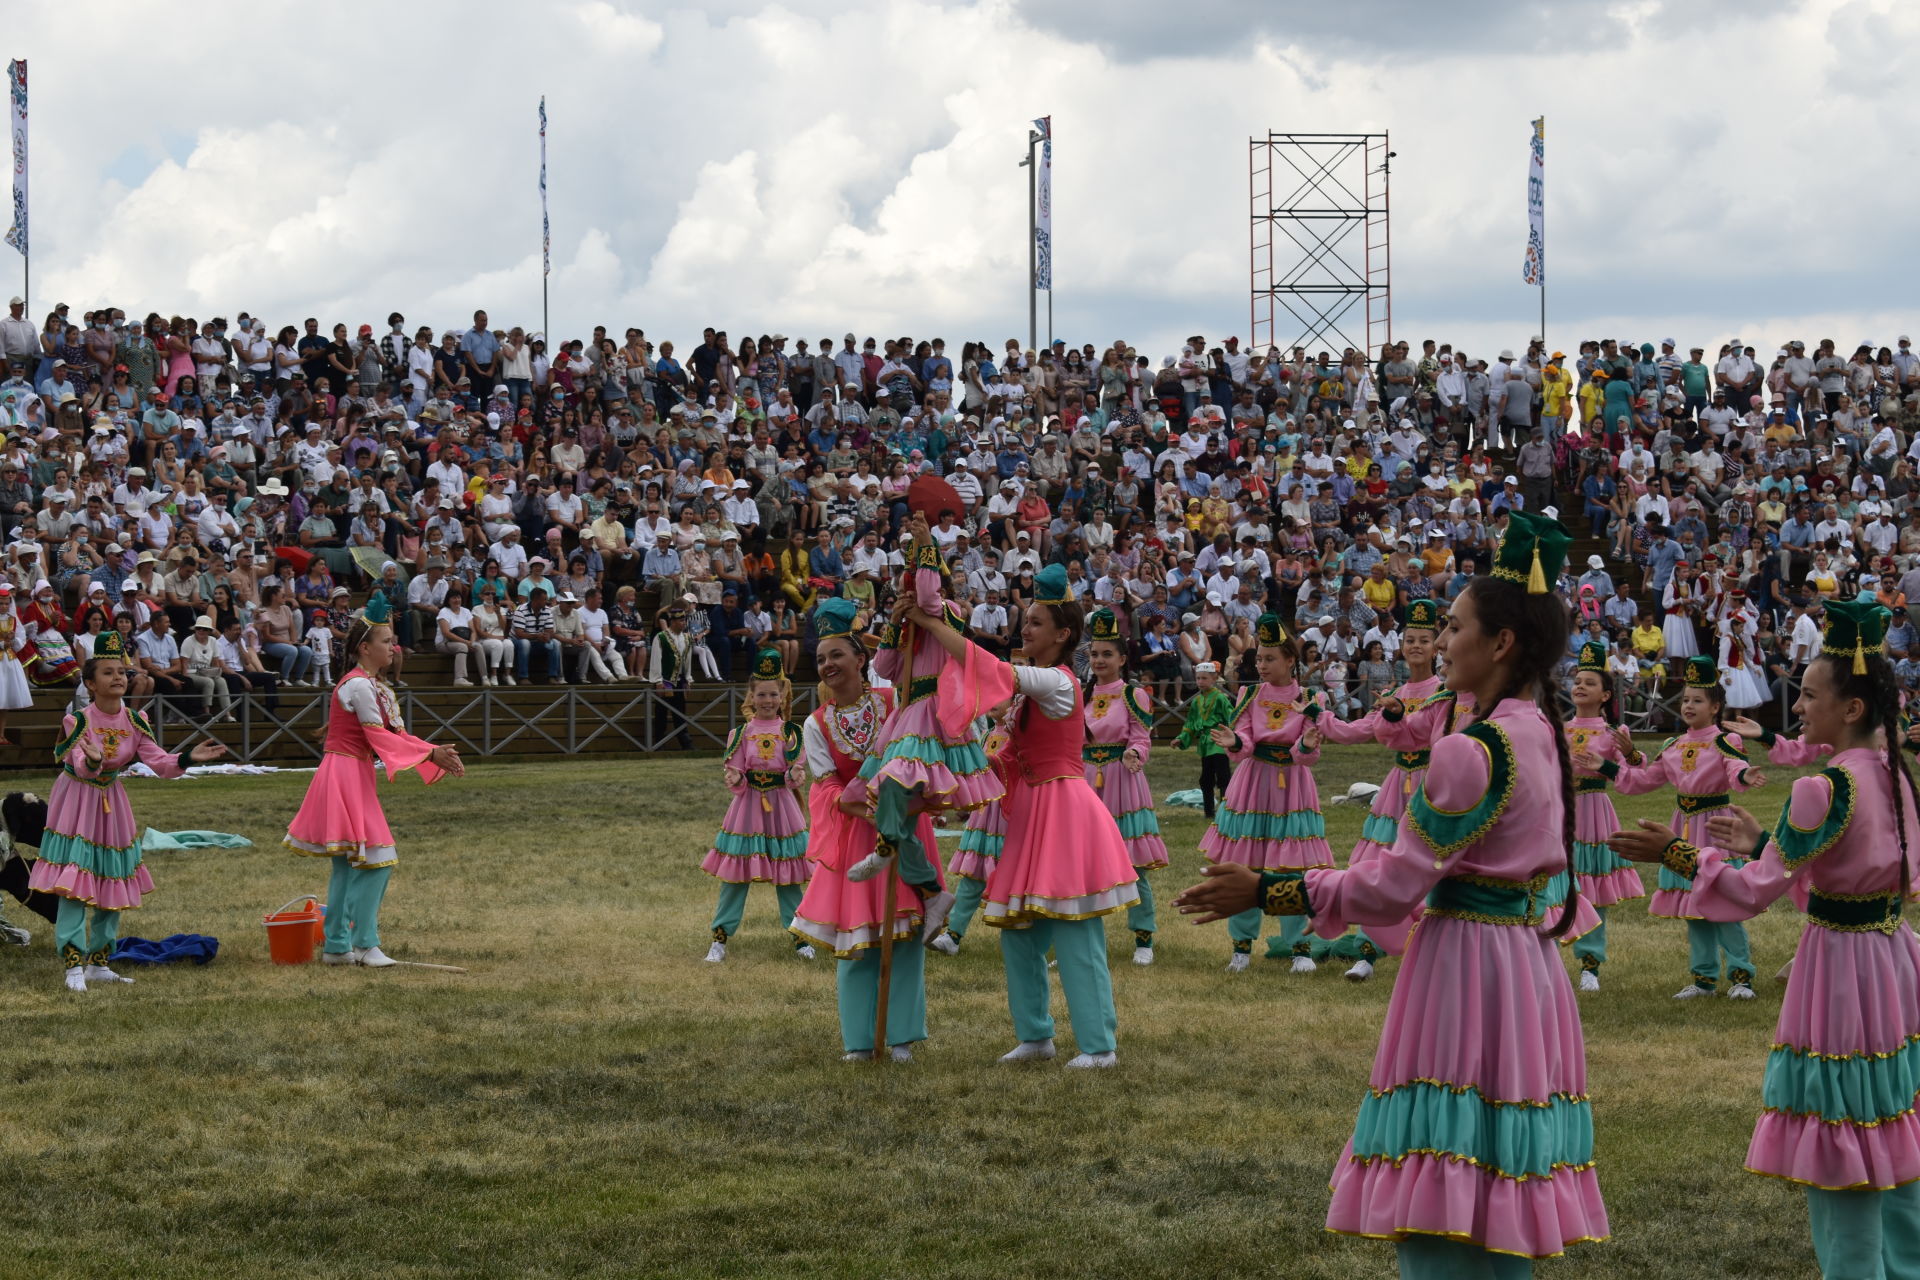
(292, 934)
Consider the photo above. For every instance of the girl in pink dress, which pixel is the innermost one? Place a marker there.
(981, 843)
(1064, 866)
(1605, 877)
(1270, 818)
(835, 912)
(341, 819)
(1119, 718)
(90, 855)
(763, 837)
(1473, 1149)
(1705, 766)
(1395, 721)
(1843, 1077)
(921, 764)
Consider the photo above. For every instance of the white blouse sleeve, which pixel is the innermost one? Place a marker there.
(813, 740)
(358, 696)
(1050, 688)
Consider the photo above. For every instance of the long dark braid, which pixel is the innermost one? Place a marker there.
(1540, 624)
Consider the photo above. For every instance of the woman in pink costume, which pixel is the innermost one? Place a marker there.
(341, 817)
(763, 837)
(1843, 1077)
(1473, 1149)
(851, 918)
(1704, 765)
(1605, 878)
(1064, 866)
(90, 855)
(1270, 818)
(921, 764)
(1119, 718)
(1396, 721)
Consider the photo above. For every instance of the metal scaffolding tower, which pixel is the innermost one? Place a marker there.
(1319, 247)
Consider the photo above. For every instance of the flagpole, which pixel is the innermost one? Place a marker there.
(1033, 243)
(546, 231)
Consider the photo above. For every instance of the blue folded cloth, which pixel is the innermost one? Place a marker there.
(196, 947)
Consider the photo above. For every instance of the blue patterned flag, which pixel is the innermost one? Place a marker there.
(546, 231)
(17, 95)
(1534, 271)
(1043, 216)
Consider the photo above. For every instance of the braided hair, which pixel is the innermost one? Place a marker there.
(1539, 623)
(1880, 692)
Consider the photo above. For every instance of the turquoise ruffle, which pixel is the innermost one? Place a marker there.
(1380, 829)
(59, 849)
(1301, 824)
(984, 843)
(740, 846)
(1515, 1140)
(960, 760)
(1598, 860)
(1141, 822)
(1862, 1089)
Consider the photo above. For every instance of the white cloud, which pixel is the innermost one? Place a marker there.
(817, 166)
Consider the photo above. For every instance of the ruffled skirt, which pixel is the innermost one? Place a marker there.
(1843, 1077)
(981, 843)
(341, 815)
(1063, 858)
(91, 850)
(1269, 820)
(915, 752)
(840, 914)
(762, 840)
(1477, 1125)
(1605, 876)
(1129, 798)
(1673, 900)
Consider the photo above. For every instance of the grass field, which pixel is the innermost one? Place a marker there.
(593, 1100)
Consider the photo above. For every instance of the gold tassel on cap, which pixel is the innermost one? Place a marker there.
(1859, 658)
(1536, 580)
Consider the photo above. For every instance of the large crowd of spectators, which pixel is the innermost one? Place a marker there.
(530, 509)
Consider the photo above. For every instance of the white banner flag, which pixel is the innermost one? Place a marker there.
(1043, 216)
(17, 95)
(1535, 270)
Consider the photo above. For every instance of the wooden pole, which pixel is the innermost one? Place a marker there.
(881, 1050)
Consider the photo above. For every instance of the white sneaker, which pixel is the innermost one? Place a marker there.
(1238, 962)
(339, 957)
(77, 978)
(101, 973)
(936, 910)
(1690, 991)
(716, 953)
(858, 1055)
(15, 934)
(1304, 964)
(1739, 991)
(867, 868)
(901, 1053)
(804, 952)
(1590, 981)
(1029, 1051)
(375, 958)
(459, 683)
(508, 680)
(1085, 1060)
(487, 681)
(946, 944)
(1361, 971)
(1143, 955)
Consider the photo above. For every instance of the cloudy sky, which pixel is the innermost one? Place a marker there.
(1713, 170)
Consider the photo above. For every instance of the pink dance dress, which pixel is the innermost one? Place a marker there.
(1843, 1077)
(341, 814)
(91, 851)
(1705, 767)
(1270, 819)
(1605, 877)
(948, 767)
(763, 837)
(1476, 1127)
(1119, 719)
(985, 834)
(835, 912)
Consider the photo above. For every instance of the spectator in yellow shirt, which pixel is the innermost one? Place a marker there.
(1593, 397)
(1378, 590)
(1556, 387)
(1648, 640)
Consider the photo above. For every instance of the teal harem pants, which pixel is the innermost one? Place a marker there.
(1080, 947)
(84, 934)
(353, 905)
(858, 983)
